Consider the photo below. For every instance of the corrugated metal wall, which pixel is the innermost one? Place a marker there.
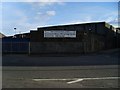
(89, 38)
(56, 47)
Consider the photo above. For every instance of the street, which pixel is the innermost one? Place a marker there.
(61, 77)
(98, 70)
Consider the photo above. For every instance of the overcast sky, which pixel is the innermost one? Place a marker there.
(26, 16)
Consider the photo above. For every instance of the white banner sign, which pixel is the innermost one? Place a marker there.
(59, 34)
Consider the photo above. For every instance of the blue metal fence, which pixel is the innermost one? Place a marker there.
(15, 45)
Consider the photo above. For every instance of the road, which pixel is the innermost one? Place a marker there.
(97, 70)
(105, 76)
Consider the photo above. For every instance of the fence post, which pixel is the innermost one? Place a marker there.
(11, 48)
(29, 48)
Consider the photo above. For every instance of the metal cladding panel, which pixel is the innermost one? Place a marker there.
(90, 28)
(56, 47)
(101, 28)
(39, 36)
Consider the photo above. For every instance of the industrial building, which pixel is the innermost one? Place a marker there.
(70, 39)
(76, 38)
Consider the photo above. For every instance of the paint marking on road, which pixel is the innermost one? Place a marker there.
(78, 80)
(51, 79)
(102, 78)
(75, 80)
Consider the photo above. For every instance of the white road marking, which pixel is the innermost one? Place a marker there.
(51, 79)
(102, 78)
(78, 80)
(75, 80)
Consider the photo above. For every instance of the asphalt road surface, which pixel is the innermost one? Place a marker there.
(105, 76)
(97, 70)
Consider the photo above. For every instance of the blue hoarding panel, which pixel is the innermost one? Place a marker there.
(15, 45)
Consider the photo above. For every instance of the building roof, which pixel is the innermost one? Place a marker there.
(72, 24)
(2, 35)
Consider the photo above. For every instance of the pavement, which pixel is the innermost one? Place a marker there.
(109, 57)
